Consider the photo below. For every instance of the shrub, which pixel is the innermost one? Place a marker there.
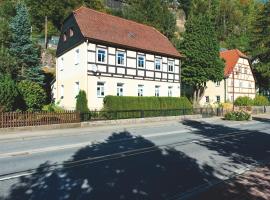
(52, 107)
(237, 116)
(243, 101)
(260, 101)
(118, 103)
(8, 93)
(34, 96)
(81, 102)
(227, 106)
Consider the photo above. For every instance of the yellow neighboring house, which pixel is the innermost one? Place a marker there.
(238, 80)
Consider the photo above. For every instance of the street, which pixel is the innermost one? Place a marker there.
(165, 160)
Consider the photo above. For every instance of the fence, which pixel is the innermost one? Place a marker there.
(17, 119)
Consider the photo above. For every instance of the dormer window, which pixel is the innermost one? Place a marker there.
(65, 36)
(71, 32)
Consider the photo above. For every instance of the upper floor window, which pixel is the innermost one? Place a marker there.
(100, 89)
(170, 66)
(170, 92)
(141, 61)
(217, 83)
(120, 89)
(140, 90)
(101, 55)
(121, 57)
(77, 56)
(158, 64)
(157, 90)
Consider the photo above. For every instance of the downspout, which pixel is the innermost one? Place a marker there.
(225, 89)
(87, 43)
(180, 80)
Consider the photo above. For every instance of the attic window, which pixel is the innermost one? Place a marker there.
(71, 32)
(65, 36)
(131, 35)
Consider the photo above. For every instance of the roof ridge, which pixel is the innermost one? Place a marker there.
(129, 20)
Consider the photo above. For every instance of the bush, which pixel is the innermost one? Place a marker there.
(34, 96)
(81, 102)
(243, 101)
(52, 108)
(8, 93)
(118, 103)
(237, 116)
(260, 101)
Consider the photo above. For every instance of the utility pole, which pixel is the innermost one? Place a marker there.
(46, 32)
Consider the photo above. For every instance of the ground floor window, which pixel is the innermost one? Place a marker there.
(120, 89)
(170, 92)
(157, 91)
(207, 99)
(218, 99)
(100, 89)
(140, 90)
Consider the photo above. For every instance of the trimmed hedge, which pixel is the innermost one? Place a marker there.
(243, 101)
(260, 101)
(151, 106)
(118, 103)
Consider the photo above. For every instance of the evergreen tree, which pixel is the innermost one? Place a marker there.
(8, 65)
(201, 48)
(22, 48)
(81, 102)
(260, 48)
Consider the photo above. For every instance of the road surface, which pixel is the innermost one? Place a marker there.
(166, 160)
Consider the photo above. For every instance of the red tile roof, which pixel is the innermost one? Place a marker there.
(103, 27)
(231, 57)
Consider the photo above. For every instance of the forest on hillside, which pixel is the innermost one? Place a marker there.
(210, 26)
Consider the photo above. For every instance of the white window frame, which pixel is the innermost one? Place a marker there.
(217, 83)
(170, 63)
(100, 89)
(160, 64)
(140, 90)
(117, 54)
(157, 91)
(218, 97)
(138, 61)
(120, 86)
(207, 99)
(170, 91)
(77, 56)
(76, 88)
(61, 64)
(62, 91)
(105, 55)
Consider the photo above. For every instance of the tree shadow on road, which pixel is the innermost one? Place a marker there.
(241, 147)
(145, 172)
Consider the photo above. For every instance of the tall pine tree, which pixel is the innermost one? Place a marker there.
(22, 47)
(201, 48)
(260, 48)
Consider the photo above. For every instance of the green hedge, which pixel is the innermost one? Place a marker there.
(243, 101)
(152, 106)
(237, 116)
(260, 101)
(117, 103)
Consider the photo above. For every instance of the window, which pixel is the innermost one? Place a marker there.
(170, 66)
(141, 61)
(100, 89)
(76, 88)
(71, 32)
(101, 55)
(140, 90)
(240, 84)
(62, 92)
(121, 58)
(120, 89)
(158, 64)
(218, 99)
(61, 64)
(65, 36)
(157, 90)
(217, 83)
(170, 93)
(77, 56)
(249, 85)
(207, 99)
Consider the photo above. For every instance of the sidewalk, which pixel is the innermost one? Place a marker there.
(252, 185)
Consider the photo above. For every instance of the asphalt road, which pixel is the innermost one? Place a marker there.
(167, 160)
